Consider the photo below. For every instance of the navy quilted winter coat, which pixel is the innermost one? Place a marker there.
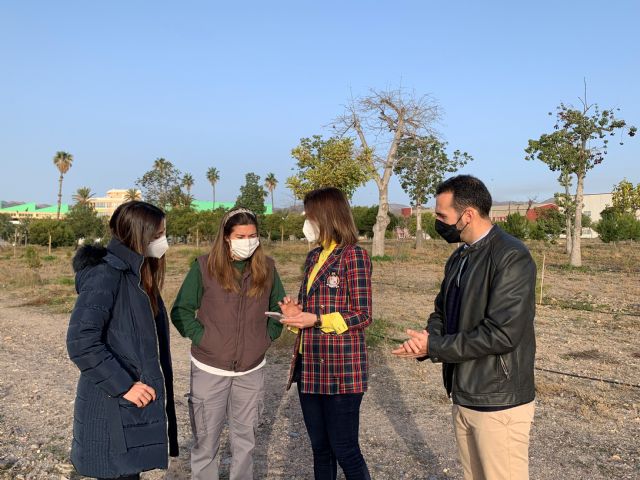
(115, 341)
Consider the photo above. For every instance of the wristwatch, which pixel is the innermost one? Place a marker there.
(318, 323)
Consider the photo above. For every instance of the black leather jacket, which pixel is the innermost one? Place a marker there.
(489, 362)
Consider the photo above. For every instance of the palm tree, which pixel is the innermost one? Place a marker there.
(83, 196)
(213, 175)
(132, 194)
(63, 161)
(187, 182)
(270, 183)
(161, 165)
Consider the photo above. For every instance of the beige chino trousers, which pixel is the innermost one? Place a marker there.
(494, 445)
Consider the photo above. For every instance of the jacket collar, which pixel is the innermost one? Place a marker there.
(466, 250)
(331, 260)
(122, 257)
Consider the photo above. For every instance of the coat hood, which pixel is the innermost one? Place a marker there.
(88, 256)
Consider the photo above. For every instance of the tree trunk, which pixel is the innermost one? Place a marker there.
(59, 196)
(419, 234)
(575, 259)
(567, 219)
(382, 220)
(49, 251)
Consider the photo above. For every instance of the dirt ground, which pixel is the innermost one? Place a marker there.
(588, 325)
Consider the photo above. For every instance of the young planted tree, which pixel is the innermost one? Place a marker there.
(213, 175)
(270, 183)
(626, 197)
(159, 183)
(63, 161)
(328, 163)
(567, 203)
(252, 195)
(83, 196)
(382, 121)
(422, 165)
(579, 143)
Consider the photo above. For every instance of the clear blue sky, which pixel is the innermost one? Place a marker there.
(236, 86)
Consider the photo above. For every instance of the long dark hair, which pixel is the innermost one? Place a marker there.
(329, 208)
(135, 224)
(220, 261)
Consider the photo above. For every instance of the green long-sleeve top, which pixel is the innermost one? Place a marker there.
(183, 312)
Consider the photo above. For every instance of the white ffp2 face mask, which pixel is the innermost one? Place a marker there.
(157, 248)
(243, 248)
(311, 231)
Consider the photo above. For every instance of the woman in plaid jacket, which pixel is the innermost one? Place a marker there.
(330, 316)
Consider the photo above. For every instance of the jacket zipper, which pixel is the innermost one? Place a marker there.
(164, 387)
(240, 314)
(504, 367)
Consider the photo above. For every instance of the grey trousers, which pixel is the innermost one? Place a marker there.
(213, 399)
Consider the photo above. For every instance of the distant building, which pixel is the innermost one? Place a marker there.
(105, 206)
(32, 210)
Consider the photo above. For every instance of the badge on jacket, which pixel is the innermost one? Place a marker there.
(333, 281)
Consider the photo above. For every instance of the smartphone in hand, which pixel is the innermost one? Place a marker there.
(276, 315)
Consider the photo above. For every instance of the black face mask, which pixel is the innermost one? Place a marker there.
(449, 232)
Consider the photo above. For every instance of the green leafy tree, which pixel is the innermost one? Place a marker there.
(616, 225)
(365, 219)
(578, 143)
(178, 198)
(428, 225)
(549, 224)
(328, 163)
(7, 228)
(213, 175)
(270, 183)
(179, 221)
(62, 161)
(252, 195)
(84, 222)
(60, 232)
(83, 196)
(626, 197)
(160, 183)
(281, 225)
(423, 163)
(516, 225)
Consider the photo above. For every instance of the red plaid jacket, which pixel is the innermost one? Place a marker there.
(331, 363)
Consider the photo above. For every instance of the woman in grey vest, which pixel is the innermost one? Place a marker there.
(221, 307)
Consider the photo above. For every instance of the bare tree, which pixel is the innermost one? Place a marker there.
(381, 121)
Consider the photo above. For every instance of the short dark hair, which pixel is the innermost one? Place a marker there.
(468, 191)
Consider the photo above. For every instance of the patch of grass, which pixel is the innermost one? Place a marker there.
(591, 354)
(576, 305)
(378, 332)
(66, 281)
(569, 268)
(49, 258)
(382, 258)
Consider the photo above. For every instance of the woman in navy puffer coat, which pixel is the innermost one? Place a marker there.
(124, 419)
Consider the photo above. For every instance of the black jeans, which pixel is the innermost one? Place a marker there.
(333, 422)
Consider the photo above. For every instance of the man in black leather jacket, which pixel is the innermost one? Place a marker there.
(482, 331)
